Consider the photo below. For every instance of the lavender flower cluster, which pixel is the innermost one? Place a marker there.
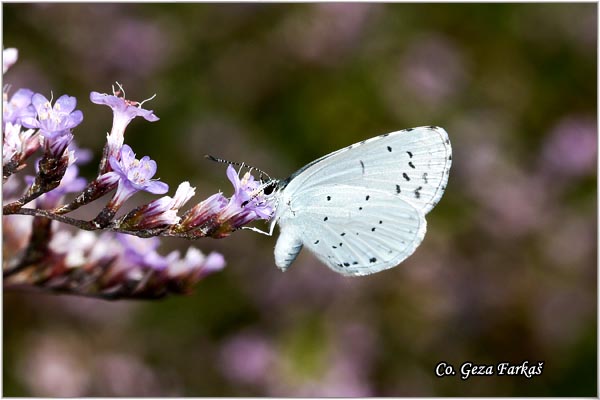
(121, 262)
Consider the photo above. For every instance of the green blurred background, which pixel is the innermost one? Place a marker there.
(507, 271)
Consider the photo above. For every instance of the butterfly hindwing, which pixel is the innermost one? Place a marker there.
(354, 230)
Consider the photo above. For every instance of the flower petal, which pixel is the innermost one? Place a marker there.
(65, 104)
(30, 122)
(157, 187)
(127, 155)
(75, 118)
(115, 165)
(234, 178)
(40, 103)
(22, 98)
(148, 115)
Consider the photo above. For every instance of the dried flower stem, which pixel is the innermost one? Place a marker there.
(114, 226)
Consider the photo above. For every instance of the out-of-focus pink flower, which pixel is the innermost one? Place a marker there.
(196, 264)
(328, 32)
(246, 358)
(55, 366)
(433, 69)
(572, 147)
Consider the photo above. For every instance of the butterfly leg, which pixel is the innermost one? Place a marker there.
(270, 233)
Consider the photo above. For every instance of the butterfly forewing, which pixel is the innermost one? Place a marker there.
(354, 230)
(413, 164)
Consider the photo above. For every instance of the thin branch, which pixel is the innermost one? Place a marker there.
(114, 227)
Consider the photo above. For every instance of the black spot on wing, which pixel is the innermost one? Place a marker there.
(373, 229)
(372, 260)
(362, 166)
(409, 154)
(343, 234)
(389, 149)
(316, 242)
(328, 198)
(410, 164)
(398, 189)
(325, 219)
(417, 193)
(409, 129)
(405, 176)
(346, 264)
(367, 198)
(425, 177)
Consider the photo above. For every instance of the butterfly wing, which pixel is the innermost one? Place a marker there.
(413, 164)
(353, 230)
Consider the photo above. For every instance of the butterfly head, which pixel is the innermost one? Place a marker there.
(267, 191)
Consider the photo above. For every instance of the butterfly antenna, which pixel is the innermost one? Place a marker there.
(241, 164)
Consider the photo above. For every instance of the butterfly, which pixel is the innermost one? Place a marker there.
(362, 209)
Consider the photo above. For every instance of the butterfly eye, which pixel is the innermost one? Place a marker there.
(269, 189)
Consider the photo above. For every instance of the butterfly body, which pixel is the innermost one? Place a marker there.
(362, 209)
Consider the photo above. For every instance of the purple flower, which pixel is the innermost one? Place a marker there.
(218, 217)
(124, 111)
(195, 264)
(18, 142)
(142, 252)
(9, 57)
(132, 175)
(11, 145)
(55, 123)
(204, 212)
(162, 211)
(246, 204)
(52, 120)
(158, 213)
(75, 248)
(18, 107)
(183, 194)
(57, 142)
